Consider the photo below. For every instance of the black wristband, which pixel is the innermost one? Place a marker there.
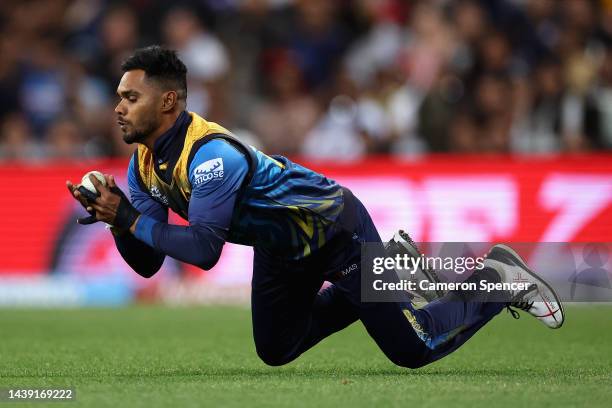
(126, 213)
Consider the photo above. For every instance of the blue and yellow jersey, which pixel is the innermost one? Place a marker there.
(287, 206)
(229, 191)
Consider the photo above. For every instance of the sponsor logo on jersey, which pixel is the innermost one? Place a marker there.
(209, 170)
(156, 194)
(348, 270)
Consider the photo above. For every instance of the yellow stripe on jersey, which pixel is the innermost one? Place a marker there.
(179, 190)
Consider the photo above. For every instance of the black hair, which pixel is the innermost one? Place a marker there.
(161, 65)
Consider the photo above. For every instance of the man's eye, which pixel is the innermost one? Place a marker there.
(132, 99)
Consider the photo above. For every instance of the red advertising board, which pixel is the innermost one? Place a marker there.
(440, 198)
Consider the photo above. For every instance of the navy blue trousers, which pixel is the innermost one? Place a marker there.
(291, 314)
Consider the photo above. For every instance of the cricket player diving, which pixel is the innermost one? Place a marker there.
(304, 228)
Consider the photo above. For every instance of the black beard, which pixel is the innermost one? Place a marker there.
(138, 136)
(134, 137)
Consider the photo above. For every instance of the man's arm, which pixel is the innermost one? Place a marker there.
(216, 174)
(144, 259)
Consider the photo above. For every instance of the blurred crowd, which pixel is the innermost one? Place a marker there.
(318, 78)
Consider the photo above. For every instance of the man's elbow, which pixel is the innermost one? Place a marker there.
(146, 273)
(207, 259)
(148, 270)
(208, 262)
(211, 247)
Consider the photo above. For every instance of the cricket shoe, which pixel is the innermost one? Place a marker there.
(401, 243)
(538, 299)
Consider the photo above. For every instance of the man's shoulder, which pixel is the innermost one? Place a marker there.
(216, 148)
(214, 160)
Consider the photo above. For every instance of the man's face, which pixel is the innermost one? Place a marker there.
(139, 110)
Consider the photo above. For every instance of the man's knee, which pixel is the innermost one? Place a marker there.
(274, 354)
(408, 359)
(272, 358)
(409, 355)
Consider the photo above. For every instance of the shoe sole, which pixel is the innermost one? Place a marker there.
(520, 262)
(416, 253)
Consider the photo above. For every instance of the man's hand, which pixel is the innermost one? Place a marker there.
(111, 206)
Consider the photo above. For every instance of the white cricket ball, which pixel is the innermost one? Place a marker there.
(86, 182)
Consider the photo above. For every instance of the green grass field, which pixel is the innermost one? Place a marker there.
(182, 357)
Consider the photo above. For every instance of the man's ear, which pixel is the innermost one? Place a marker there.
(169, 100)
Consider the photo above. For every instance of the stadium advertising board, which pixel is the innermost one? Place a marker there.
(49, 259)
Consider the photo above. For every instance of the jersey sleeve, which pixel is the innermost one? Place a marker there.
(144, 259)
(216, 174)
(140, 199)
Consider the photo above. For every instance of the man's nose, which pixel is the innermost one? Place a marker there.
(119, 109)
